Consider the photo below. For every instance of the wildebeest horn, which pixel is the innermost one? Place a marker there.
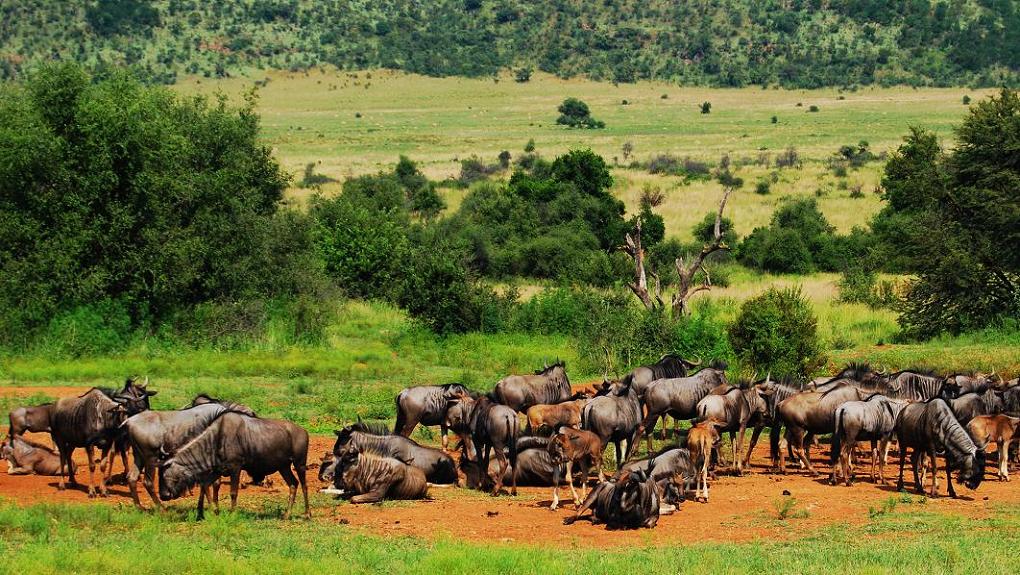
(694, 362)
(144, 383)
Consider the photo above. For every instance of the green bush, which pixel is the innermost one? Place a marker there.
(777, 332)
(576, 114)
(101, 328)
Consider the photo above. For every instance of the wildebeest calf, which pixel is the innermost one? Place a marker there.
(701, 440)
(534, 467)
(555, 416)
(998, 429)
(26, 457)
(575, 447)
(630, 500)
(368, 478)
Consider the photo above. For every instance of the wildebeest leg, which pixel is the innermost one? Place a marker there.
(916, 460)
(90, 452)
(883, 453)
(874, 458)
(647, 427)
(570, 482)
(934, 473)
(556, 489)
(442, 432)
(235, 484)
(132, 480)
(216, 494)
(504, 464)
(949, 479)
(586, 505)
(738, 457)
(292, 485)
(806, 443)
(775, 449)
(903, 460)
(302, 479)
(1003, 448)
(374, 496)
(201, 503)
(755, 433)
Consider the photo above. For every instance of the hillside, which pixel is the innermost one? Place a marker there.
(794, 43)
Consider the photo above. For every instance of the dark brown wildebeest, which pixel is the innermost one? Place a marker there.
(872, 419)
(668, 366)
(737, 408)
(26, 457)
(679, 397)
(493, 427)
(812, 412)
(438, 467)
(34, 418)
(230, 444)
(614, 417)
(673, 471)
(702, 439)
(959, 383)
(930, 428)
(135, 395)
(629, 500)
(548, 385)
(366, 477)
(859, 375)
(427, 405)
(918, 385)
(968, 405)
(552, 417)
(534, 467)
(205, 399)
(997, 429)
(575, 447)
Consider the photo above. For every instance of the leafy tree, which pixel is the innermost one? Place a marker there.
(777, 332)
(706, 107)
(575, 114)
(522, 75)
(705, 229)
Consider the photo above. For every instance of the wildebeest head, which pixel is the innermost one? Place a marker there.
(135, 395)
(972, 471)
(326, 468)
(455, 391)
(559, 446)
(950, 388)
(174, 478)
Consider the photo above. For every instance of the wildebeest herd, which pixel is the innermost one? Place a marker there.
(537, 430)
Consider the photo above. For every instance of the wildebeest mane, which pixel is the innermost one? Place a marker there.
(548, 369)
(371, 427)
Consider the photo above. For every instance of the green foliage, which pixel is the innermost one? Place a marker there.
(522, 75)
(813, 108)
(763, 188)
(706, 107)
(575, 114)
(704, 231)
(966, 100)
(777, 332)
(312, 180)
(112, 17)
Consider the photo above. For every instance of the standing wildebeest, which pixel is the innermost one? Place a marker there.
(34, 418)
(493, 427)
(534, 467)
(615, 417)
(971, 404)
(575, 447)
(26, 457)
(437, 466)
(958, 383)
(548, 385)
(918, 385)
(90, 420)
(679, 397)
(627, 501)
(155, 433)
(668, 366)
(427, 405)
(554, 416)
(234, 442)
(872, 419)
(205, 399)
(998, 429)
(702, 439)
(859, 375)
(930, 428)
(812, 412)
(736, 409)
(369, 478)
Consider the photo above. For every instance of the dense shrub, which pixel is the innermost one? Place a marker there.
(575, 114)
(777, 332)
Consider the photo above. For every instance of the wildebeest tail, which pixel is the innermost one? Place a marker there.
(837, 436)
(511, 430)
(401, 416)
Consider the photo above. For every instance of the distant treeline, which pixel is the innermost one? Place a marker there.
(793, 43)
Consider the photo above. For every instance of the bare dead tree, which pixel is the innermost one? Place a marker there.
(687, 270)
(639, 286)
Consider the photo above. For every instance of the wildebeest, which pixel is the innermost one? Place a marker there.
(857, 374)
(369, 478)
(205, 399)
(615, 417)
(548, 385)
(966, 406)
(427, 405)
(438, 467)
(737, 408)
(34, 418)
(812, 412)
(25, 457)
(629, 500)
(90, 420)
(492, 427)
(930, 428)
(152, 433)
(669, 366)
(702, 439)
(679, 397)
(673, 471)
(232, 443)
(534, 467)
(958, 383)
(918, 385)
(998, 429)
(575, 447)
(872, 419)
(553, 416)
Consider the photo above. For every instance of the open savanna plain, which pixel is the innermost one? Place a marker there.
(355, 123)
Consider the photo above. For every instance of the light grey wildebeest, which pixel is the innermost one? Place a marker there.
(668, 366)
(872, 419)
(736, 409)
(545, 386)
(427, 405)
(614, 417)
(679, 396)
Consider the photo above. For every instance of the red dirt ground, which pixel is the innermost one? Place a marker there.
(741, 508)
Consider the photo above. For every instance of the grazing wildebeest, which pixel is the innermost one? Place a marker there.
(737, 408)
(615, 417)
(679, 397)
(205, 399)
(493, 427)
(812, 412)
(230, 444)
(34, 418)
(971, 404)
(930, 428)
(672, 469)
(998, 429)
(438, 467)
(702, 439)
(918, 385)
(427, 405)
(26, 457)
(90, 420)
(534, 467)
(872, 419)
(668, 366)
(152, 433)
(366, 477)
(548, 385)
(552, 417)
(629, 500)
(572, 447)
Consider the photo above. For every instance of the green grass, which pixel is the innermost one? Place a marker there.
(43, 539)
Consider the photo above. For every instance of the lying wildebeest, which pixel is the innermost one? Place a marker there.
(629, 500)
(930, 428)
(998, 429)
(737, 408)
(534, 467)
(493, 427)
(554, 416)
(438, 467)
(679, 397)
(966, 406)
(702, 439)
(668, 366)
(90, 420)
(615, 417)
(26, 457)
(872, 419)
(34, 418)
(427, 405)
(548, 385)
(812, 412)
(230, 444)
(673, 471)
(575, 447)
(366, 477)
(152, 433)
